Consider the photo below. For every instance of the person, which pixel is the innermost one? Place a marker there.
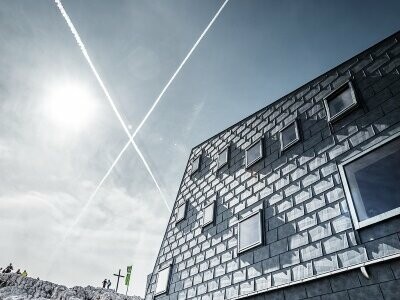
(108, 283)
(104, 283)
(9, 268)
(18, 271)
(24, 273)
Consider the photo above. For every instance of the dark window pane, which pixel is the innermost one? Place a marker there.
(223, 158)
(340, 102)
(250, 232)
(253, 153)
(289, 135)
(374, 181)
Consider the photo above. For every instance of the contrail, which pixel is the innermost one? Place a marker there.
(111, 102)
(160, 96)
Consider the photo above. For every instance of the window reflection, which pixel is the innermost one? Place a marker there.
(374, 181)
(223, 158)
(253, 153)
(289, 135)
(208, 216)
(250, 232)
(162, 281)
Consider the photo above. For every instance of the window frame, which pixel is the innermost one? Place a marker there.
(260, 240)
(184, 213)
(193, 171)
(260, 140)
(227, 148)
(353, 211)
(213, 214)
(298, 137)
(165, 291)
(347, 85)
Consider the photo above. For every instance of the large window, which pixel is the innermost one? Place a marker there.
(254, 153)
(196, 164)
(250, 232)
(223, 157)
(181, 212)
(340, 102)
(163, 281)
(372, 183)
(289, 135)
(208, 214)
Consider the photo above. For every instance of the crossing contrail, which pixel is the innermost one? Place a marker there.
(111, 102)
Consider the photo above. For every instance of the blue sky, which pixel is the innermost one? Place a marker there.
(256, 52)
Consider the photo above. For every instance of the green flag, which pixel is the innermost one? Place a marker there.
(128, 275)
(127, 279)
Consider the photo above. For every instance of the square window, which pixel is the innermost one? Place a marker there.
(208, 214)
(163, 281)
(250, 232)
(254, 153)
(196, 165)
(223, 157)
(340, 102)
(181, 212)
(371, 181)
(289, 135)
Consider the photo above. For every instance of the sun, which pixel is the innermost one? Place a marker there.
(70, 106)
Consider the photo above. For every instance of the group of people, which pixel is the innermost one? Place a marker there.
(10, 268)
(106, 283)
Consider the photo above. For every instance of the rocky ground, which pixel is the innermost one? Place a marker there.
(16, 287)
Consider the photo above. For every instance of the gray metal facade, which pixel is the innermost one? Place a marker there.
(310, 249)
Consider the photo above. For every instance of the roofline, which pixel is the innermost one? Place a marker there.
(393, 35)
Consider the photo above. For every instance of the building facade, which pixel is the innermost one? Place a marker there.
(300, 200)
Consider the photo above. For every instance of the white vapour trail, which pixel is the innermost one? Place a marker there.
(162, 94)
(111, 102)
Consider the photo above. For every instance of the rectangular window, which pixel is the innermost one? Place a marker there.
(250, 232)
(181, 212)
(254, 153)
(223, 157)
(289, 135)
(208, 214)
(196, 165)
(340, 102)
(371, 182)
(163, 281)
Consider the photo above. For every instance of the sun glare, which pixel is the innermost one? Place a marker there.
(70, 106)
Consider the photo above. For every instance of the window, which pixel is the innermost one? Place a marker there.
(223, 157)
(340, 102)
(162, 281)
(196, 165)
(250, 232)
(208, 214)
(371, 182)
(289, 135)
(254, 153)
(181, 212)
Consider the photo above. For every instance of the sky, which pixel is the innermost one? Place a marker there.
(59, 135)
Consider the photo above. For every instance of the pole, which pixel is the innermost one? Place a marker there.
(127, 287)
(118, 277)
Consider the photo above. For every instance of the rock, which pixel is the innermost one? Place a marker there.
(16, 287)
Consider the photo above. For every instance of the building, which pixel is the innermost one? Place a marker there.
(300, 200)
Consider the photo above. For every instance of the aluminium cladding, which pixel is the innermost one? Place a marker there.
(278, 177)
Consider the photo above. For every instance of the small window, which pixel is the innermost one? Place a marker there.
(371, 181)
(208, 214)
(254, 153)
(289, 135)
(223, 157)
(196, 165)
(181, 212)
(250, 232)
(340, 102)
(163, 281)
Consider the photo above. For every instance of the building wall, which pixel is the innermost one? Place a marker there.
(308, 231)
